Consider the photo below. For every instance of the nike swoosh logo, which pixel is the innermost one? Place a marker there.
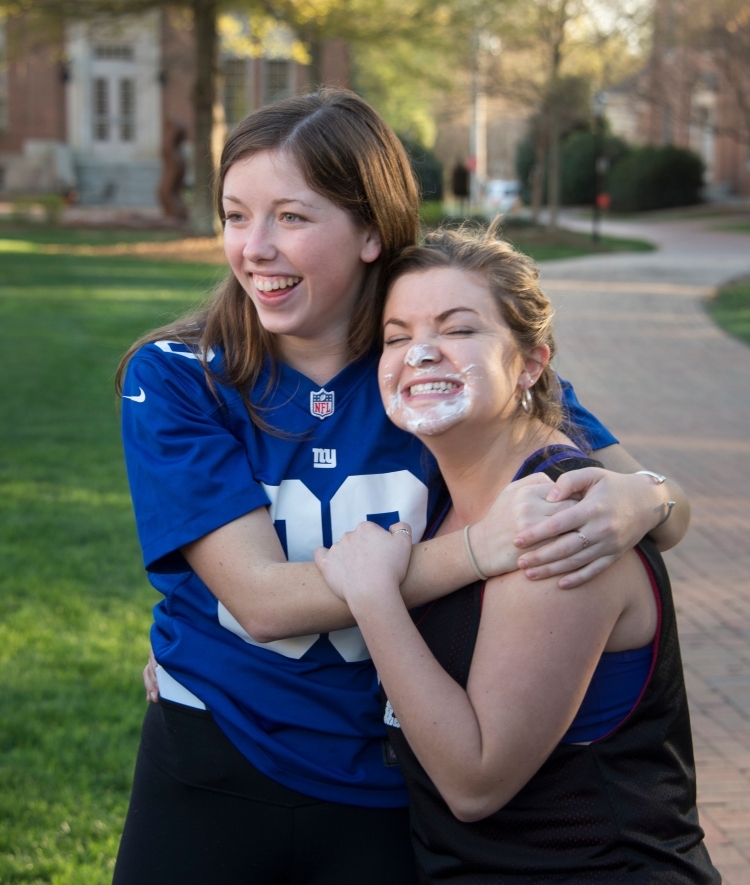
(137, 399)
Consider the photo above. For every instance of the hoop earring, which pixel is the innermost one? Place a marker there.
(527, 402)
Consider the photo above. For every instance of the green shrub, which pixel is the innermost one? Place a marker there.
(427, 168)
(655, 178)
(578, 165)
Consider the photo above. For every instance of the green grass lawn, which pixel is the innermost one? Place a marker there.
(731, 309)
(536, 240)
(74, 601)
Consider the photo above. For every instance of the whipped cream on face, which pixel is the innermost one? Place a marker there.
(270, 284)
(418, 354)
(429, 418)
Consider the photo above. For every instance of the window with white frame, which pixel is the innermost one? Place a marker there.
(278, 80)
(113, 94)
(235, 90)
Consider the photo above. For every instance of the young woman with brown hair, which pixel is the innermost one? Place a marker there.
(544, 736)
(253, 433)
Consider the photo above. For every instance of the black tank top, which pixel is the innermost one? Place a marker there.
(621, 809)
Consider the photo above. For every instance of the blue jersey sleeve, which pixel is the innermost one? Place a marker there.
(581, 424)
(188, 473)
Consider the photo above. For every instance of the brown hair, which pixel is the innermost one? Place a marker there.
(512, 278)
(348, 154)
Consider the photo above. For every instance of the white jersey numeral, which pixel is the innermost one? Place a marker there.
(359, 497)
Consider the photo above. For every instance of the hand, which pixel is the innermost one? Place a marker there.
(150, 680)
(615, 512)
(366, 561)
(520, 506)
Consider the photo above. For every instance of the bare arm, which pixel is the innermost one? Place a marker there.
(618, 508)
(244, 566)
(535, 654)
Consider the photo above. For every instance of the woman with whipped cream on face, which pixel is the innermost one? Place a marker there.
(544, 736)
(253, 433)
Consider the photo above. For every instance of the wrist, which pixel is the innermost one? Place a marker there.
(377, 597)
(659, 484)
(489, 557)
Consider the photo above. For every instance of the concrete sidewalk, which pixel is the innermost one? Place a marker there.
(644, 356)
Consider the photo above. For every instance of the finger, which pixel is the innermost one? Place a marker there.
(319, 556)
(152, 686)
(401, 528)
(533, 479)
(562, 547)
(571, 563)
(573, 483)
(566, 520)
(577, 579)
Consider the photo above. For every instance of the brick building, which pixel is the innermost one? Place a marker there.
(683, 98)
(86, 111)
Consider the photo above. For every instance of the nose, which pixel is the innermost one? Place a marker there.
(259, 243)
(419, 354)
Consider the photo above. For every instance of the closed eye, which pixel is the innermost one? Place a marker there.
(396, 339)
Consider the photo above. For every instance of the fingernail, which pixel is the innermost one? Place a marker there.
(522, 563)
(152, 697)
(565, 583)
(531, 573)
(554, 495)
(519, 542)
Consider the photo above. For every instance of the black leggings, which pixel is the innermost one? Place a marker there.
(201, 814)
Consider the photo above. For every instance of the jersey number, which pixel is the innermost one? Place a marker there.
(357, 499)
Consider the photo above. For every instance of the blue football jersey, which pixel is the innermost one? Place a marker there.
(305, 710)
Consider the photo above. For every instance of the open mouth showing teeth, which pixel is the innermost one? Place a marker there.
(433, 387)
(277, 283)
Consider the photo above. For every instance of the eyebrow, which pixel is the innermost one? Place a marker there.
(441, 317)
(279, 202)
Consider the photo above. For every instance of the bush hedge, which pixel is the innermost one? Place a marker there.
(655, 178)
(578, 165)
(427, 168)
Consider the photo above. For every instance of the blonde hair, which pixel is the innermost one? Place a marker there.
(513, 281)
(348, 154)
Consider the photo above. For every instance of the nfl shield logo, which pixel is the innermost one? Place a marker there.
(321, 403)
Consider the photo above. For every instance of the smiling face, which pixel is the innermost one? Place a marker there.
(449, 357)
(299, 256)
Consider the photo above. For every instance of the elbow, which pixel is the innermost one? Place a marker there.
(256, 626)
(470, 808)
(263, 630)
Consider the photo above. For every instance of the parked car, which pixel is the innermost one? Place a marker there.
(501, 196)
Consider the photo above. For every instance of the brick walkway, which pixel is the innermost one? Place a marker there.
(647, 360)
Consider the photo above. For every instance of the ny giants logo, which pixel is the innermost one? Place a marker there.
(321, 403)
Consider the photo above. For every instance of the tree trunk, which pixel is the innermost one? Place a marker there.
(553, 184)
(537, 178)
(206, 68)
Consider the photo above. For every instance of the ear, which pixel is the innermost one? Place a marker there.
(372, 247)
(533, 365)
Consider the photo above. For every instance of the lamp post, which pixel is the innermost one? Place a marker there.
(601, 163)
(484, 45)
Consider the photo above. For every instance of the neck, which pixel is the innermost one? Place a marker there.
(317, 359)
(478, 463)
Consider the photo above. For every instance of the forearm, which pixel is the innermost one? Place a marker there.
(434, 712)
(243, 564)
(617, 459)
